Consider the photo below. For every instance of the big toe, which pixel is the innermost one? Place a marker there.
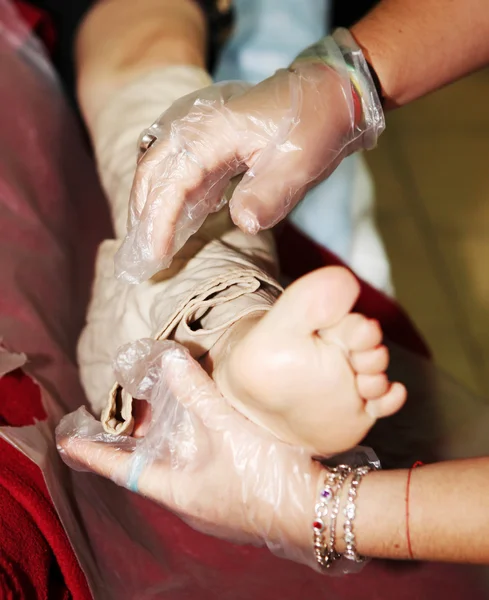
(317, 301)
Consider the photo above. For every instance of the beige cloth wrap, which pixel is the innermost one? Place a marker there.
(220, 276)
(226, 280)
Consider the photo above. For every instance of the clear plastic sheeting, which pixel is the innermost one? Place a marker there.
(281, 135)
(10, 361)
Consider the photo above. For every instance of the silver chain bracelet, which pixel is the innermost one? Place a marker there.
(350, 513)
(327, 509)
(328, 505)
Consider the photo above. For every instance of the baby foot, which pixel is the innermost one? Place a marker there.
(310, 371)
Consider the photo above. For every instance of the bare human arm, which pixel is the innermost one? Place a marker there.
(448, 513)
(418, 46)
(134, 59)
(119, 40)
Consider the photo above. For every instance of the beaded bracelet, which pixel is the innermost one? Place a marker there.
(350, 512)
(328, 505)
(341, 53)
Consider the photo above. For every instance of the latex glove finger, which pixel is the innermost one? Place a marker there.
(180, 180)
(186, 457)
(309, 142)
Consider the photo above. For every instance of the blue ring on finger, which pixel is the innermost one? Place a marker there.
(137, 466)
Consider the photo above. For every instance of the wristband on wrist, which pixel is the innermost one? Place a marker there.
(377, 84)
(341, 53)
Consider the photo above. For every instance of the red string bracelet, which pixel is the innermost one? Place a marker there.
(408, 535)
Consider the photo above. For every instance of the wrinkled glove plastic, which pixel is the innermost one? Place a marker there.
(282, 136)
(199, 457)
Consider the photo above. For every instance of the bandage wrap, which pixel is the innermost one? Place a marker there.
(227, 279)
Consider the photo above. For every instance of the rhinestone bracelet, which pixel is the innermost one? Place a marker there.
(328, 505)
(350, 512)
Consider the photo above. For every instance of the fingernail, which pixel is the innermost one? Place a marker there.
(248, 222)
(371, 409)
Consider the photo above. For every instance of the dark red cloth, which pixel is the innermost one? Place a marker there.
(39, 22)
(36, 559)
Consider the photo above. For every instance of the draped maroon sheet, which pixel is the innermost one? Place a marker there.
(36, 559)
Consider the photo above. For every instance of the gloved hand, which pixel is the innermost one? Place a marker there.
(284, 135)
(199, 457)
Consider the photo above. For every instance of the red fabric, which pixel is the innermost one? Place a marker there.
(36, 559)
(39, 22)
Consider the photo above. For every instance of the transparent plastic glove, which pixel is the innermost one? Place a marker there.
(284, 134)
(199, 457)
